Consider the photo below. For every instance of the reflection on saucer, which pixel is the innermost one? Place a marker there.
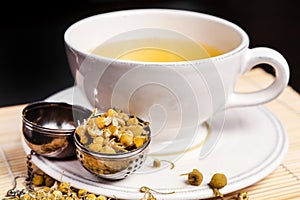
(177, 147)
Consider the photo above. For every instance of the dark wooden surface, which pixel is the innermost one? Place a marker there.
(33, 61)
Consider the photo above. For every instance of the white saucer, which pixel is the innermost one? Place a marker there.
(252, 144)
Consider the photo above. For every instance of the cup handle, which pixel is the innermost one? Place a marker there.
(262, 55)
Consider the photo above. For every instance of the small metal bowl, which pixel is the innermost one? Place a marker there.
(48, 127)
(112, 166)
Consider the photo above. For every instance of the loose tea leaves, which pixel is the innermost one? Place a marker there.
(113, 132)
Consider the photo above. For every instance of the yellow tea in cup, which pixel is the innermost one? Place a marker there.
(157, 50)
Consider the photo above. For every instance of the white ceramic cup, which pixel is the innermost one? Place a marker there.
(170, 95)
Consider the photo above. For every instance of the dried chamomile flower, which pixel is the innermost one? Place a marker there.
(126, 139)
(48, 181)
(157, 163)
(82, 193)
(148, 195)
(195, 177)
(57, 191)
(25, 197)
(112, 132)
(147, 189)
(64, 187)
(132, 121)
(38, 179)
(243, 196)
(90, 197)
(139, 141)
(217, 182)
(56, 194)
(101, 197)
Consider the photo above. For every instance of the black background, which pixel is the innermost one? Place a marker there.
(32, 55)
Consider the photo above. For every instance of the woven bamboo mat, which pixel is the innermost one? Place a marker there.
(283, 183)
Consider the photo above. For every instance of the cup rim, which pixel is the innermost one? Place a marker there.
(243, 44)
